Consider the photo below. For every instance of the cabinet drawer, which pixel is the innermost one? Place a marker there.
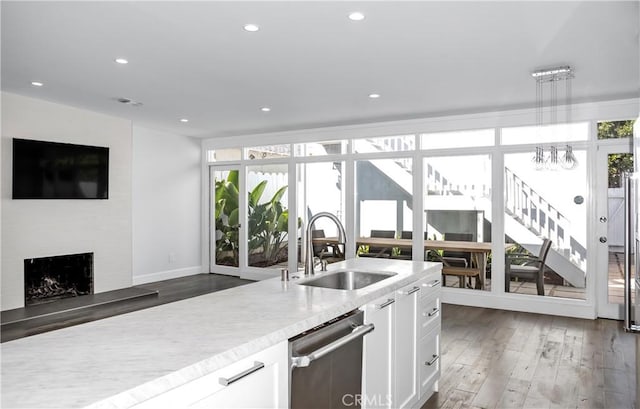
(257, 389)
(184, 395)
(429, 362)
(429, 313)
(256, 381)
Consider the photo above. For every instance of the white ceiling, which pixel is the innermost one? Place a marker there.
(309, 62)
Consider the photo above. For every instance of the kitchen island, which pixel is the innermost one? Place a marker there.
(120, 361)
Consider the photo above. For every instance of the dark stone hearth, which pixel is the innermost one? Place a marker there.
(51, 278)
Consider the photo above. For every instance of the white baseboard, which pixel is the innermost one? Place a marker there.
(166, 275)
(520, 302)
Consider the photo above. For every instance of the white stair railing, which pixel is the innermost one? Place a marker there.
(523, 203)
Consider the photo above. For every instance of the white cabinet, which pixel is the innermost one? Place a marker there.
(428, 312)
(401, 357)
(406, 347)
(378, 378)
(258, 381)
(401, 361)
(429, 363)
(429, 338)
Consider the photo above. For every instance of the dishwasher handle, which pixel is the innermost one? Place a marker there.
(305, 360)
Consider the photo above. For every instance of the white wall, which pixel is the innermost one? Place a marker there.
(38, 228)
(166, 206)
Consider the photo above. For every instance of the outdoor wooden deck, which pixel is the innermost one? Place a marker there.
(615, 291)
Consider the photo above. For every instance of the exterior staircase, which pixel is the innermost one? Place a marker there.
(531, 212)
(531, 217)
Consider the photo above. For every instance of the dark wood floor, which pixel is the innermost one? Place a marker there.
(504, 359)
(23, 322)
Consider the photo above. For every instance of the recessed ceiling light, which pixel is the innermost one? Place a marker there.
(184, 120)
(374, 96)
(251, 27)
(356, 16)
(36, 83)
(265, 109)
(121, 61)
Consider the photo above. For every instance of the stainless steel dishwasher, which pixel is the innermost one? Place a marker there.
(326, 364)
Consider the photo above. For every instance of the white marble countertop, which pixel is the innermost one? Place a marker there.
(119, 361)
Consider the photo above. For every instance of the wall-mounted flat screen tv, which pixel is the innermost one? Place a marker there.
(51, 170)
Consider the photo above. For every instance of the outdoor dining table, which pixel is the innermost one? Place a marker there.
(479, 250)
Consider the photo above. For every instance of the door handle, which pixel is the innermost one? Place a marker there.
(413, 290)
(433, 361)
(385, 304)
(432, 313)
(305, 360)
(432, 284)
(228, 381)
(602, 239)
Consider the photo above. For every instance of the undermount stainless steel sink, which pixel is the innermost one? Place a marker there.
(347, 279)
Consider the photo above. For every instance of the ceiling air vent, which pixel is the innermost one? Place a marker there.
(129, 102)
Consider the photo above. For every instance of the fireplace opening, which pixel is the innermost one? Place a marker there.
(52, 278)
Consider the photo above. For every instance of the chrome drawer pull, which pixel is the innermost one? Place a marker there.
(413, 290)
(433, 312)
(228, 381)
(433, 361)
(432, 284)
(385, 304)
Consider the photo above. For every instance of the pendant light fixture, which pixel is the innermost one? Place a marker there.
(549, 78)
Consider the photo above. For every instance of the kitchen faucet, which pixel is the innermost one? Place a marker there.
(342, 239)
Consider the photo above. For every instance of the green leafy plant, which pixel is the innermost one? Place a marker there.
(227, 220)
(267, 224)
(516, 249)
(619, 163)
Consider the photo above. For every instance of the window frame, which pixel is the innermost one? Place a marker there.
(589, 112)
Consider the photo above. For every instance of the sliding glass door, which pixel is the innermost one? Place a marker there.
(267, 212)
(546, 204)
(612, 163)
(457, 203)
(224, 216)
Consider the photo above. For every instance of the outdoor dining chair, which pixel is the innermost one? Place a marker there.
(380, 252)
(527, 267)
